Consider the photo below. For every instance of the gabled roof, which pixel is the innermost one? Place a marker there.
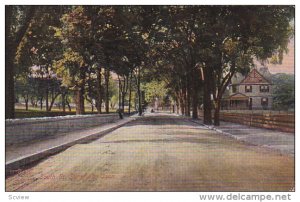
(237, 96)
(255, 77)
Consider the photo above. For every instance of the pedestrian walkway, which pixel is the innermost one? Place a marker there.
(277, 140)
(19, 155)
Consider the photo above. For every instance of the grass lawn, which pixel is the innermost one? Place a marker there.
(22, 113)
(30, 113)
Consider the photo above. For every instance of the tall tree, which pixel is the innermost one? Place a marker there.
(17, 21)
(73, 67)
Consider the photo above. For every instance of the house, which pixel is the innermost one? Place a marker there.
(251, 92)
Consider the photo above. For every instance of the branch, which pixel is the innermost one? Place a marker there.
(20, 34)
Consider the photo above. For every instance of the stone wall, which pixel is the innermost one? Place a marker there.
(23, 130)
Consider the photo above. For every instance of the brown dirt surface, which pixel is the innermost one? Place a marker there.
(160, 153)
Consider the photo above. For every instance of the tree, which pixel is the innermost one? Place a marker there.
(36, 53)
(193, 50)
(249, 33)
(74, 64)
(17, 20)
(155, 90)
(23, 88)
(284, 92)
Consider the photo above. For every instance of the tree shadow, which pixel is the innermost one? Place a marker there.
(194, 140)
(162, 120)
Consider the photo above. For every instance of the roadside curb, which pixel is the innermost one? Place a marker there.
(215, 129)
(18, 163)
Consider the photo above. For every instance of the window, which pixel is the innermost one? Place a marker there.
(234, 88)
(264, 101)
(248, 89)
(264, 88)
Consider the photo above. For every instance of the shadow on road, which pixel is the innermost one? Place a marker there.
(161, 119)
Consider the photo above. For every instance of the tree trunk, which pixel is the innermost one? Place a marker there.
(79, 93)
(177, 105)
(26, 102)
(140, 102)
(99, 89)
(194, 95)
(9, 85)
(11, 45)
(125, 90)
(184, 98)
(207, 97)
(123, 101)
(79, 101)
(41, 103)
(9, 67)
(52, 101)
(188, 99)
(32, 101)
(195, 109)
(69, 106)
(63, 103)
(26, 105)
(224, 83)
(181, 102)
(195, 104)
(135, 104)
(217, 113)
(47, 96)
(119, 92)
(107, 90)
(129, 99)
(139, 92)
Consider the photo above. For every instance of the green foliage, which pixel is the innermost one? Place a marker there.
(182, 47)
(154, 89)
(38, 46)
(112, 87)
(68, 68)
(24, 87)
(114, 101)
(284, 91)
(38, 113)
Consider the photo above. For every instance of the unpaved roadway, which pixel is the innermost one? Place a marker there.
(160, 153)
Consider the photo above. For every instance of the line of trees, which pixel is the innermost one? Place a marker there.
(198, 49)
(194, 50)
(75, 48)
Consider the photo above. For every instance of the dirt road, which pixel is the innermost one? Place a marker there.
(160, 153)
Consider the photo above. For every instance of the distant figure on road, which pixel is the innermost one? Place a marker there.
(152, 110)
(120, 112)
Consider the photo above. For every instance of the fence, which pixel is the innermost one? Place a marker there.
(278, 120)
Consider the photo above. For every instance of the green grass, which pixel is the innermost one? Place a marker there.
(22, 113)
(30, 113)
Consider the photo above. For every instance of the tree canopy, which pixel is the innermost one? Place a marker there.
(189, 53)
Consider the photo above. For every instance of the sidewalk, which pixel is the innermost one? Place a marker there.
(20, 155)
(276, 140)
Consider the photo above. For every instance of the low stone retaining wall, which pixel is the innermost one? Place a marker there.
(23, 130)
